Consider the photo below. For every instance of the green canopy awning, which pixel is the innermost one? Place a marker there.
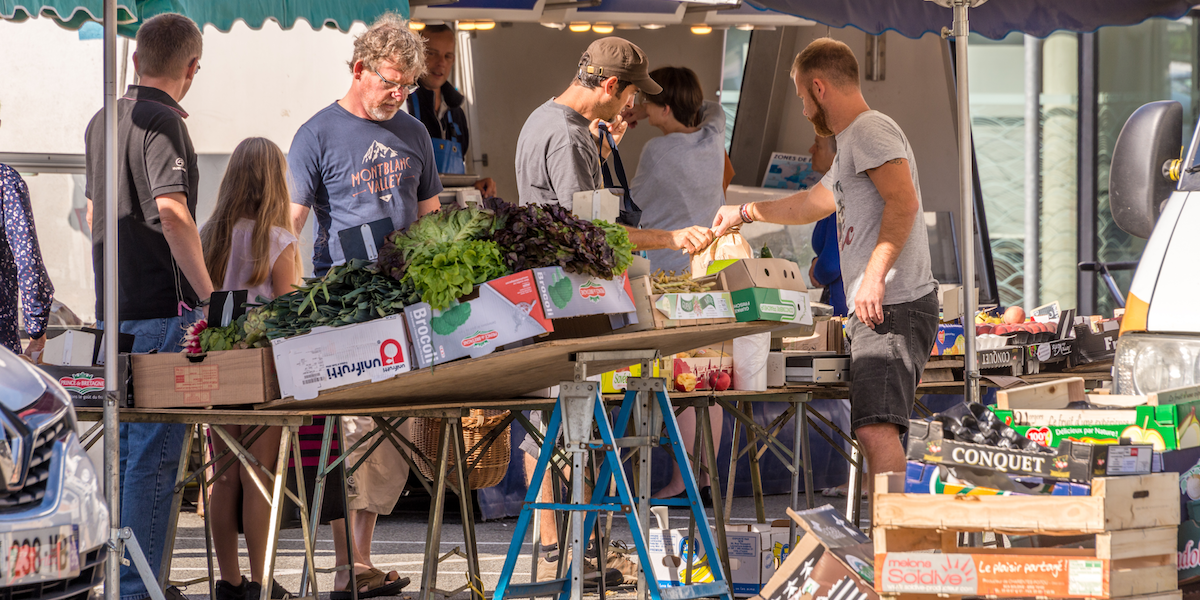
(221, 14)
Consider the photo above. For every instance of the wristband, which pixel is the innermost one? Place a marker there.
(745, 213)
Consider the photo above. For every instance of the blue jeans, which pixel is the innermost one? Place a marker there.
(150, 459)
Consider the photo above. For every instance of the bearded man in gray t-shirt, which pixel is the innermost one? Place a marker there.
(890, 290)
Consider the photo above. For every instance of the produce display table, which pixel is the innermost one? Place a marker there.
(494, 381)
(513, 373)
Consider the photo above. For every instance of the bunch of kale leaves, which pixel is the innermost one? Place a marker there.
(548, 235)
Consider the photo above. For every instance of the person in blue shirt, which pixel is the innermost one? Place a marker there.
(358, 161)
(826, 269)
(439, 106)
(22, 272)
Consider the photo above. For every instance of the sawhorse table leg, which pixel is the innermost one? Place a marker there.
(450, 440)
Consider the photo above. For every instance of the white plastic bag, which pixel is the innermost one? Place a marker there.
(750, 362)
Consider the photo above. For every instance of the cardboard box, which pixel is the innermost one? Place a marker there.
(949, 341)
(1187, 464)
(751, 557)
(828, 336)
(664, 311)
(506, 310)
(617, 381)
(330, 357)
(1046, 353)
(86, 384)
(71, 348)
(1072, 461)
(832, 560)
(573, 295)
(604, 204)
(921, 478)
(776, 370)
(82, 347)
(1003, 575)
(1007, 359)
(176, 380)
(773, 273)
(1188, 558)
(1095, 341)
(702, 368)
(768, 304)
(1169, 427)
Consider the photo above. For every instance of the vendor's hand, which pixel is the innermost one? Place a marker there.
(868, 302)
(634, 114)
(691, 240)
(486, 187)
(35, 347)
(728, 216)
(812, 273)
(616, 127)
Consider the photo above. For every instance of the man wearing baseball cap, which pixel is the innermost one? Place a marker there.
(559, 147)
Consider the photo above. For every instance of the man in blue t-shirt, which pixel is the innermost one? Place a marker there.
(357, 161)
(361, 158)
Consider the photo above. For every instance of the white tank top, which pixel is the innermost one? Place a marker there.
(241, 258)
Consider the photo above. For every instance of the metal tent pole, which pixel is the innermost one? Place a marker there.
(112, 420)
(967, 239)
(1033, 168)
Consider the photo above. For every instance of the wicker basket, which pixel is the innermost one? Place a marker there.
(478, 425)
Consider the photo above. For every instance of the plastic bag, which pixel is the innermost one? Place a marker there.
(729, 246)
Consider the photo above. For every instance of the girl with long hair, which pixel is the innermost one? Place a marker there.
(248, 244)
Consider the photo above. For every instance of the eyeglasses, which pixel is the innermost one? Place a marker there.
(392, 85)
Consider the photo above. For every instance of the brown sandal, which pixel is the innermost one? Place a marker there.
(376, 583)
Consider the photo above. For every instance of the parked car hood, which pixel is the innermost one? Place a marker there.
(21, 384)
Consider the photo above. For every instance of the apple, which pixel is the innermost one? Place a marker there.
(1014, 315)
(984, 329)
(1002, 329)
(685, 382)
(721, 381)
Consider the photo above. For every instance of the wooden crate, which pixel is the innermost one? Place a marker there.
(1131, 524)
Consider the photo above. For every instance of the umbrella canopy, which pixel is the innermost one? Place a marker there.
(221, 14)
(993, 20)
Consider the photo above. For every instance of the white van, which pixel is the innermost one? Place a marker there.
(1159, 346)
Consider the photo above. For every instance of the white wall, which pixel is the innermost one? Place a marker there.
(520, 67)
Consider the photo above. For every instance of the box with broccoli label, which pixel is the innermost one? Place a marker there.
(574, 295)
(507, 310)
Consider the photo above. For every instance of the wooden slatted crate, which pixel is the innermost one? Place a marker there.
(1131, 523)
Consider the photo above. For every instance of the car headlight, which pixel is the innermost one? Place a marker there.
(1148, 363)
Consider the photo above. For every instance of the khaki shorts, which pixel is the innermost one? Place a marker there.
(377, 484)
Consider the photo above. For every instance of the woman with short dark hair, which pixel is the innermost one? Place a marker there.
(680, 175)
(680, 183)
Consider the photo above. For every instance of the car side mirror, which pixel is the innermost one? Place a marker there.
(1140, 181)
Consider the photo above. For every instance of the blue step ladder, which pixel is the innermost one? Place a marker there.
(578, 410)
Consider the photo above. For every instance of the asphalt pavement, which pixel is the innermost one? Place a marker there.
(400, 543)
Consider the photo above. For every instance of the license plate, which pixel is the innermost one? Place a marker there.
(40, 555)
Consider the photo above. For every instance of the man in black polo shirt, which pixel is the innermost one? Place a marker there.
(160, 265)
(438, 104)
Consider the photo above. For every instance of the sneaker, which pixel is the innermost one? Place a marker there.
(228, 591)
(548, 571)
(278, 592)
(174, 593)
(617, 560)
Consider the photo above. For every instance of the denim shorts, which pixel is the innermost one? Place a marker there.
(886, 362)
